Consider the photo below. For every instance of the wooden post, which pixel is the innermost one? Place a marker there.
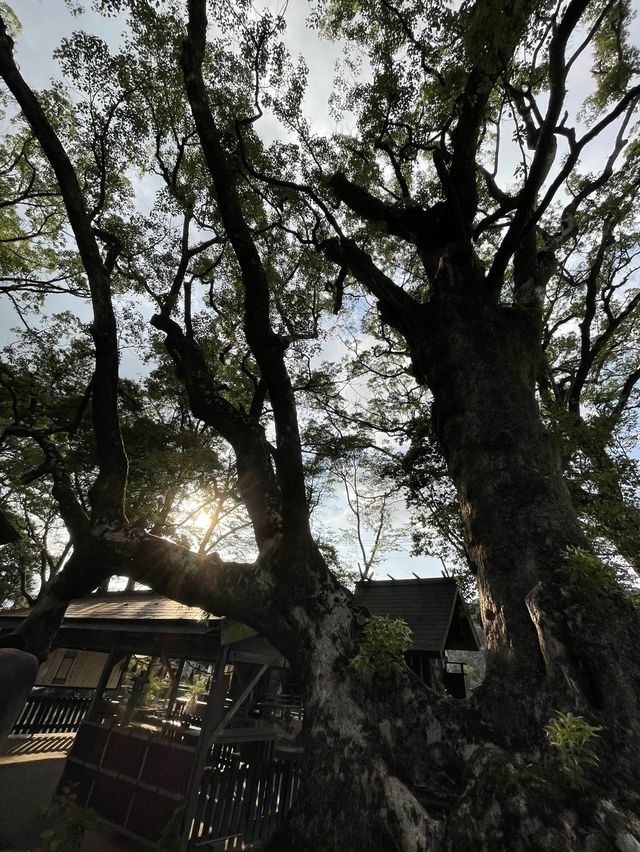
(18, 672)
(237, 704)
(175, 686)
(214, 714)
(112, 659)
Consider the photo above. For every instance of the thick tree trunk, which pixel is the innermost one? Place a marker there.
(480, 363)
(556, 637)
(377, 769)
(391, 767)
(560, 634)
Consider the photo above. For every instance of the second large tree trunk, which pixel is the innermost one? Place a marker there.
(559, 633)
(389, 769)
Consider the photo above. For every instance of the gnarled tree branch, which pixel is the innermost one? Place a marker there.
(266, 345)
(108, 490)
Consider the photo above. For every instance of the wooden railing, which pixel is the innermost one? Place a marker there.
(245, 792)
(286, 706)
(45, 714)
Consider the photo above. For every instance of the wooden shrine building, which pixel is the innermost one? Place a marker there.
(439, 621)
(190, 727)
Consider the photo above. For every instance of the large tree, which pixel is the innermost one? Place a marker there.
(238, 292)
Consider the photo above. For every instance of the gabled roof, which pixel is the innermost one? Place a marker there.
(432, 607)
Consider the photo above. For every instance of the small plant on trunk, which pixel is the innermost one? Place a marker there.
(381, 652)
(587, 572)
(572, 737)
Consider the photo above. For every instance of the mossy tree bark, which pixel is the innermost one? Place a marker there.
(390, 766)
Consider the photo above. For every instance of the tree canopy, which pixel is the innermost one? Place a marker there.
(475, 227)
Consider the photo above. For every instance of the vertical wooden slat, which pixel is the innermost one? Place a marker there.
(240, 799)
(263, 812)
(213, 713)
(44, 715)
(203, 797)
(226, 793)
(219, 778)
(247, 825)
(210, 813)
(278, 778)
(248, 798)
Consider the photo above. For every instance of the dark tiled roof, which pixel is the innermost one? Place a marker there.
(432, 608)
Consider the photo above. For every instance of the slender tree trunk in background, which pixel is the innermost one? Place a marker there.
(617, 518)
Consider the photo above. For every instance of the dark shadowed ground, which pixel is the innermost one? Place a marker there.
(28, 779)
(27, 783)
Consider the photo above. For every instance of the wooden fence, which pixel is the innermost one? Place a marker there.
(51, 714)
(245, 792)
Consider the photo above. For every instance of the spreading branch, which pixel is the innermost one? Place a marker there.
(108, 491)
(256, 479)
(71, 510)
(398, 308)
(267, 347)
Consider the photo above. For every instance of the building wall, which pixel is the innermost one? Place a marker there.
(76, 669)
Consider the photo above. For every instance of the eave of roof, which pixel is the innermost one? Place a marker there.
(86, 626)
(120, 607)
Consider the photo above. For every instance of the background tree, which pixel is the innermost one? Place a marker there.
(589, 383)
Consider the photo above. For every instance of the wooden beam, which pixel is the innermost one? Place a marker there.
(114, 657)
(276, 661)
(214, 712)
(231, 712)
